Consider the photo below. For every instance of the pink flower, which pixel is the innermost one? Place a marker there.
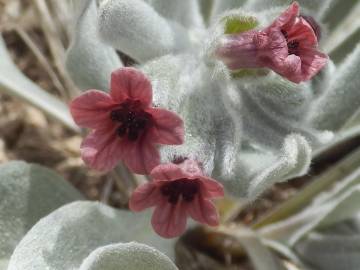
(125, 125)
(288, 46)
(177, 191)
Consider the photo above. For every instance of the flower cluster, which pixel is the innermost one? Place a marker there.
(127, 127)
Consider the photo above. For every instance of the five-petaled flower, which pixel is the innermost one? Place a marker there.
(176, 191)
(125, 125)
(288, 47)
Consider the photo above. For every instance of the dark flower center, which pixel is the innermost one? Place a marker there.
(292, 45)
(132, 118)
(180, 187)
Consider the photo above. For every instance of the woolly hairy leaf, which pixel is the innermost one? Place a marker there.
(347, 45)
(273, 108)
(256, 169)
(185, 12)
(330, 250)
(329, 209)
(27, 193)
(130, 256)
(336, 12)
(325, 234)
(314, 8)
(15, 83)
(321, 82)
(294, 161)
(346, 32)
(88, 60)
(335, 242)
(221, 6)
(342, 99)
(149, 36)
(63, 239)
(166, 75)
(185, 85)
(195, 105)
(206, 7)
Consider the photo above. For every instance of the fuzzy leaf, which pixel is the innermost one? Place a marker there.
(63, 239)
(200, 142)
(27, 193)
(336, 12)
(88, 60)
(311, 7)
(347, 30)
(332, 241)
(221, 6)
(346, 47)
(256, 169)
(331, 251)
(15, 83)
(329, 209)
(321, 82)
(130, 256)
(185, 12)
(293, 161)
(137, 30)
(206, 7)
(165, 74)
(273, 108)
(330, 111)
(185, 85)
(4, 263)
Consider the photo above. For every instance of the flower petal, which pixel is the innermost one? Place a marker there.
(203, 211)
(92, 109)
(102, 149)
(141, 156)
(302, 32)
(167, 171)
(290, 68)
(169, 220)
(292, 64)
(288, 16)
(130, 83)
(211, 188)
(314, 25)
(302, 68)
(169, 127)
(312, 62)
(272, 47)
(144, 196)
